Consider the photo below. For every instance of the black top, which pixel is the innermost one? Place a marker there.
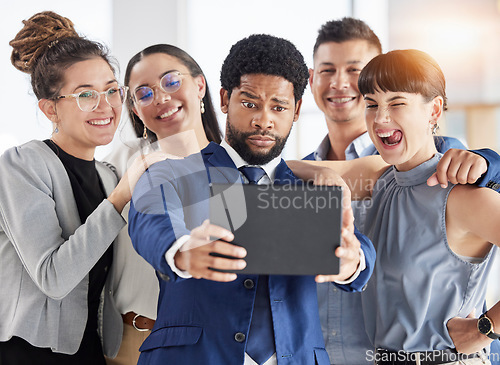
(88, 192)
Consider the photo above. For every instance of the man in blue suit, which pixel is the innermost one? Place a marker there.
(206, 316)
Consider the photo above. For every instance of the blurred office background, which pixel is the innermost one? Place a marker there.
(462, 35)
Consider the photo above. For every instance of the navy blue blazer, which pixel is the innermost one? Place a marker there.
(206, 322)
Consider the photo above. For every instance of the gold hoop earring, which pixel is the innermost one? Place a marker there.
(145, 134)
(202, 107)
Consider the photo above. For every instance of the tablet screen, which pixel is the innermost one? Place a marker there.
(286, 229)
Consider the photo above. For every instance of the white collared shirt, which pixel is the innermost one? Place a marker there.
(269, 168)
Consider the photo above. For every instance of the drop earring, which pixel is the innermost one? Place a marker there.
(145, 134)
(202, 106)
(435, 128)
(56, 130)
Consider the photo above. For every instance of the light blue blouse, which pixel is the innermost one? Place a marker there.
(418, 283)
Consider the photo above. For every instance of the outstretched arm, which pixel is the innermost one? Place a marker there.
(360, 174)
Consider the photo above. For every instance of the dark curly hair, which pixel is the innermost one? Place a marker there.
(346, 29)
(265, 54)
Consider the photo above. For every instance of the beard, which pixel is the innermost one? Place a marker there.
(237, 140)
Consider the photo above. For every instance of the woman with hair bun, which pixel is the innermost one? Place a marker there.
(59, 208)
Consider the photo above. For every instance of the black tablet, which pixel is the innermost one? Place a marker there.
(286, 229)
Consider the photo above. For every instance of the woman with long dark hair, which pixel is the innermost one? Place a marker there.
(171, 110)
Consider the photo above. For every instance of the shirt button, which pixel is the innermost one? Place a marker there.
(239, 337)
(249, 284)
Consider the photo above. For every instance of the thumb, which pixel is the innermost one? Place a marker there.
(433, 180)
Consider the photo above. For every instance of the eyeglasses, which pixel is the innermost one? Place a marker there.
(88, 100)
(169, 83)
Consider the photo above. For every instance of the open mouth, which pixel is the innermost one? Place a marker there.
(169, 113)
(99, 122)
(390, 138)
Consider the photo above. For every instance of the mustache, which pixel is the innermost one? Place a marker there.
(263, 134)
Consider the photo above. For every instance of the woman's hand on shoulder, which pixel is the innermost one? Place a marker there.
(122, 194)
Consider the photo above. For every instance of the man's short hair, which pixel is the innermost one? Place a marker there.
(346, 29)
(265, 54)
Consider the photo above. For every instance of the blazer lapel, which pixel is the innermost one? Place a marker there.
(107, 175)
(220, 167)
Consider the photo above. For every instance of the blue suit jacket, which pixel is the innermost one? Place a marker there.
(205, 322)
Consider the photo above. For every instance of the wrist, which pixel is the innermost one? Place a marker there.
(359, 267)
(486, 327)
(179, 262)
(117, 201)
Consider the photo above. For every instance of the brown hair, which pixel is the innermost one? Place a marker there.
(46, 46)
(346, 29)
(408, 70)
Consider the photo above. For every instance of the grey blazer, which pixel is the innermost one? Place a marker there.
(46, 253)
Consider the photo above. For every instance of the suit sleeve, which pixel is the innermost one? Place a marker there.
(369, 251)
(443, 143)
(151, 224)
(491, 178)
(156, 217)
